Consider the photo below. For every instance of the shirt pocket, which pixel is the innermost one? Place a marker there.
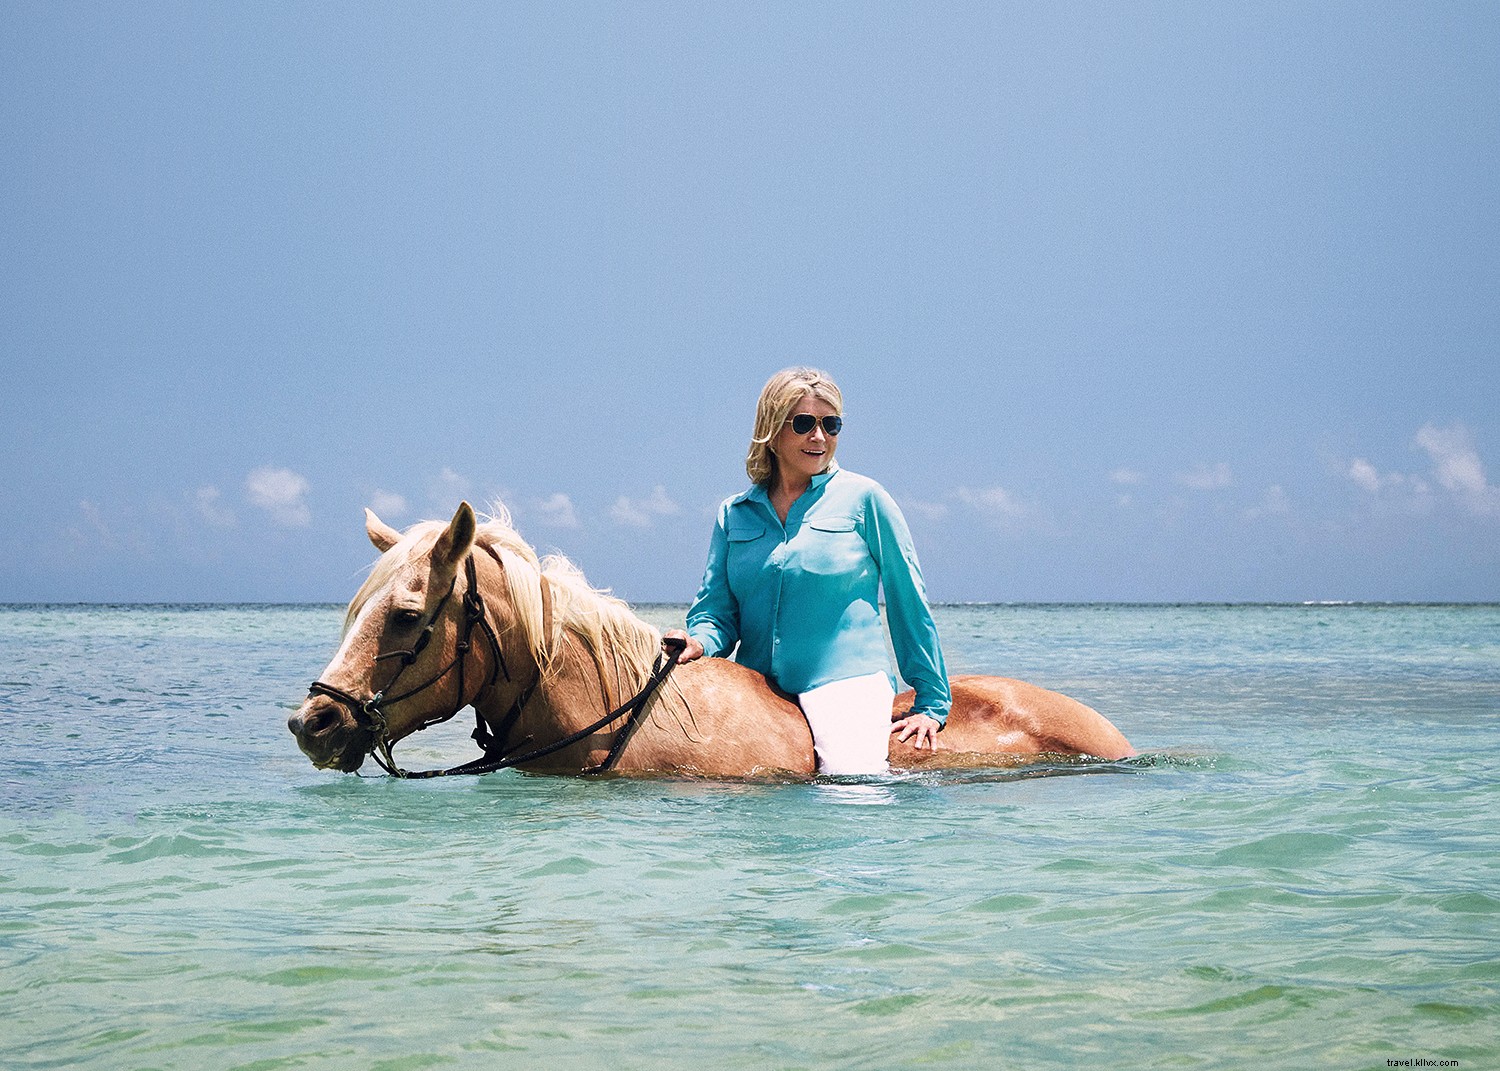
(749, 547)
(831, 524)
(745, 531)
(832, 547)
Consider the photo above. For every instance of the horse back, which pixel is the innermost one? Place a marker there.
(1000, 716)
(735, 724)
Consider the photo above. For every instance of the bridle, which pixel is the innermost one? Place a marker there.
(369, 714)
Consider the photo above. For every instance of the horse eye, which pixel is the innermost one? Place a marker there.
(406, 617)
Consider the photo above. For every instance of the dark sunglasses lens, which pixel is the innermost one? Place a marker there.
(803, 423)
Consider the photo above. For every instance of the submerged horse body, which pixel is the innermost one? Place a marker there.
(465, 614)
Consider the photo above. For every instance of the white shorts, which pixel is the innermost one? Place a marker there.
(851, 724)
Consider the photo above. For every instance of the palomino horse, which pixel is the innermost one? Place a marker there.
(464, 614)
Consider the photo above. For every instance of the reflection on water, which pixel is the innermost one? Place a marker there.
(853, 792)
(877, 790)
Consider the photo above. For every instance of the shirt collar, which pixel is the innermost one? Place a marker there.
(758, 493)
(823, 477)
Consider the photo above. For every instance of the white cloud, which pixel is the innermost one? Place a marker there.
(643, 512)
(280, 493)
(930, 511)
(1393, 492)
(1273, 503)
(1126, 476)
(1457, 468)
(557, 511)
(1365, 475)
(995, 501)
(94, 533)
(995, 504)
(1204, 477)
(448, 489)
(206, 502)
(1458, 476)
(388, 504)
(1368, 478)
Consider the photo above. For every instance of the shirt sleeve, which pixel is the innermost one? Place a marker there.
(714, 618)
(913, 634)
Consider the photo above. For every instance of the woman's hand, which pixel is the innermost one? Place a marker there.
(693, 650)
(919, 727)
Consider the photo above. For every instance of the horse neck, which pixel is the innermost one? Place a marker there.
(511, 669)
(566, 685)
(578, 688)
(572, 689)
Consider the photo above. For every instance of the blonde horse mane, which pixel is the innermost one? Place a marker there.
(609, 630)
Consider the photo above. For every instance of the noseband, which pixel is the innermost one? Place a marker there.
(369, 714)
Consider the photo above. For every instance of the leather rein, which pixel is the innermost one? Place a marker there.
(369, 714)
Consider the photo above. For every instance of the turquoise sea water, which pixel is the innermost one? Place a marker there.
(1303, 871)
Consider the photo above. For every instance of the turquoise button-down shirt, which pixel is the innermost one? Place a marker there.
(801, 598)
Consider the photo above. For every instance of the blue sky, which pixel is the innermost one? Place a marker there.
(1128, 301)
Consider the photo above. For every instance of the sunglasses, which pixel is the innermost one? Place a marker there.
(803, 424)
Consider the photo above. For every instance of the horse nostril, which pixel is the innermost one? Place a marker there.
(308, 724)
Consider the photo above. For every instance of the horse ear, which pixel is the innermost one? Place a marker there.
(457, 538)
(381, 534)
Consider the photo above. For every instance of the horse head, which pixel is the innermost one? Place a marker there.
(401, 665)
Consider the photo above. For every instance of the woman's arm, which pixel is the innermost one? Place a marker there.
(713, 621)
(914, 636)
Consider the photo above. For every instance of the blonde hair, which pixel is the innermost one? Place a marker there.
(778, 398)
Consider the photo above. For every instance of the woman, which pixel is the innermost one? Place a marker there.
(793, 576)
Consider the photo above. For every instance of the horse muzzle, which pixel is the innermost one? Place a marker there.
(328, 734)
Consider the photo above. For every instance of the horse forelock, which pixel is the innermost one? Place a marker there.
(415, 541)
